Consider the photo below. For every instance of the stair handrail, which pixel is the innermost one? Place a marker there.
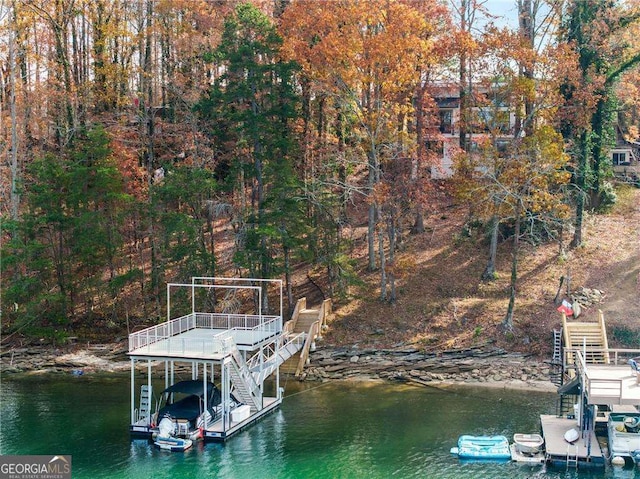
(605, 341)
(304, 353)
(254, 361)
(290, 325)
(273, 361)
(246, 376)
(325, 312)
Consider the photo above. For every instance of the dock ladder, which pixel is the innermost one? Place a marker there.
(557, 346)
(572, 456)
(557, 370)
(145, 401)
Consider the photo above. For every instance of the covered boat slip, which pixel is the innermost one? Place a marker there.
(236, 351)
(209, 335)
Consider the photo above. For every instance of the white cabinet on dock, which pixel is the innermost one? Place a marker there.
(241, 413)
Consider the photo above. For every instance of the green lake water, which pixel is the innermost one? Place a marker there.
(334, 430)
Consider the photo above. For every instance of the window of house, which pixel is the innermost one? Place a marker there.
(487, 120)
(502, 146)
(446, 121)
(620, 158)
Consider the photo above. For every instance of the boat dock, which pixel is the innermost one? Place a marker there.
(595, 381)
(585, 452)
(229, 353)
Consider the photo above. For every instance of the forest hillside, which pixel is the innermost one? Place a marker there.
(434, 168)
(443, 304)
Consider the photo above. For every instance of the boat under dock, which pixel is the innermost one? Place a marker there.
(585, 452)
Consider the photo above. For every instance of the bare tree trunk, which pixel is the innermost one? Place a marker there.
(581, 173)
(288, 286)
(463, 74)
(373, 210)
(391, 232)
(508, 320)
(383, 272)
(526, 19)
(489, 273)
(417, 164)
(15, 173)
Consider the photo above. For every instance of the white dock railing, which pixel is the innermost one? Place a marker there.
(255, 328)
(610, 388)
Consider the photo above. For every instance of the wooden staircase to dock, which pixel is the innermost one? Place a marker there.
(589, 337)
(308, 321)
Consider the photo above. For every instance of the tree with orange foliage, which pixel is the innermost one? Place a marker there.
(525, 184)
(368, 56)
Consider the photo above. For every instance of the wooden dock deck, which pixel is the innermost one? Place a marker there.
(586, 451)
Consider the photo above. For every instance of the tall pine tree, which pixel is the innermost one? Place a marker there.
(251, 108)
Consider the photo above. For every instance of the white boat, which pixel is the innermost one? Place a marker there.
(166, 438)
(624, 437)
(572, 435)
(528, 444)
(170, 443)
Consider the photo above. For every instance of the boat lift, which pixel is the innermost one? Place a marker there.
(237, 351)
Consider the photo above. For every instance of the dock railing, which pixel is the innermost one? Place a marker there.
(324, 313)
(617, 356)
(258, 327)
(603, 388)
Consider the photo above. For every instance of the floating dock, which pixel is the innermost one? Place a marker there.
(585, 452)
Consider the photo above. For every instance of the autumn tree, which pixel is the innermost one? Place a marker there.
(520, 186)
(592, 28)
(367, 56)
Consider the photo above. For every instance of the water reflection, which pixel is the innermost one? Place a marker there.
(343, 430)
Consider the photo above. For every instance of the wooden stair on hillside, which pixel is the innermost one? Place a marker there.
(303, 319)
(590, 337)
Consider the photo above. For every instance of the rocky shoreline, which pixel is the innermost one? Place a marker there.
(474, 366)
(481, 367)
(97, 358)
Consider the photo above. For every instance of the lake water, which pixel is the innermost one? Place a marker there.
(334, 430)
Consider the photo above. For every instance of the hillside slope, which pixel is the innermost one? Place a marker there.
(442, 303)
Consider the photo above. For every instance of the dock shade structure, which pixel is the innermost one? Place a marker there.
(226, 356)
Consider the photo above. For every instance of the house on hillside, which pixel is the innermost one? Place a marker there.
(625, 158)
(490, 115)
